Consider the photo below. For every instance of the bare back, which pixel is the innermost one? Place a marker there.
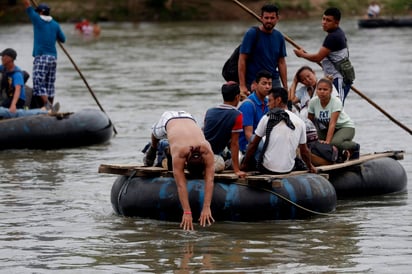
(185, 133)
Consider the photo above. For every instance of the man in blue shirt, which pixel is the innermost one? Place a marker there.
(267, 52)
(12, 82)
(254, 107)
(46, 32)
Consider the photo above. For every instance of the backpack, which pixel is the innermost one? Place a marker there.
(230, 68)
(4, 84)
(326, 151)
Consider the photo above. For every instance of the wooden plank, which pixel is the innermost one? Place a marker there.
(139, 170)
(128, 169)
(398, 155)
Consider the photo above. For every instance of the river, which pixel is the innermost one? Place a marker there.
(55, 210)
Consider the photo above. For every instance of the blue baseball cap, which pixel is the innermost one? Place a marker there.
(43, 7)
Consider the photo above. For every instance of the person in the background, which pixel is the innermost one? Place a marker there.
(373, 10)
(84, 27)
(12, 81)
(267, 53)
(333, 49)
(96, 29)
(46, 33)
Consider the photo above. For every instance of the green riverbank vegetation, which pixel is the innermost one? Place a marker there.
(12, 11)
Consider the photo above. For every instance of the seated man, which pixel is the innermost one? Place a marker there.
(188, 148)
(223, 124)
(284, 132)
(254, 107)
(12, 82)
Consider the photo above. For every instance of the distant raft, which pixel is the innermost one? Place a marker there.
(62, 130)
(262, 198)
(385, 23)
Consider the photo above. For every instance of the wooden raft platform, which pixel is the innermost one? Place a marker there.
(144, 171)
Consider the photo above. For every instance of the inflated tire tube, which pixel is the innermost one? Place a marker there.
(82, 128)
(157, 198)
(374, 177)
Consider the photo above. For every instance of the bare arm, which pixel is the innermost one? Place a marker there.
(283, 72)
(179, 175)
(155, 141)
(16, 95)
(306, 157)
(244, 92)
(315, 57)
(292, 91)
(250, 152)
(206, 214)
(248, 132)
(234, 150)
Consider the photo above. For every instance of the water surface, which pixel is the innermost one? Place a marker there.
(55, 211)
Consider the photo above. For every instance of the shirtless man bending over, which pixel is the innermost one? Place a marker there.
(190, 149)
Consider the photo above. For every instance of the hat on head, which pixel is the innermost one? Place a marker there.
(9, 52)
(43, 7)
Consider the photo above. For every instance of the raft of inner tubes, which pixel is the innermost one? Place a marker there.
(385, 23)
(374, 177)
(294, 197)
(62, 130)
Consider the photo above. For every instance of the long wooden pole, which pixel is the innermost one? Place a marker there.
(294, 44)
(81, 76)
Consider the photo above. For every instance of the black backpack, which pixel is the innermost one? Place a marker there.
(4, 84)
(230, 68)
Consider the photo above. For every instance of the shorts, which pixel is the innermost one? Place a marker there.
(159, 129)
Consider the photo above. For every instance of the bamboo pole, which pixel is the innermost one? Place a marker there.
(81, 75)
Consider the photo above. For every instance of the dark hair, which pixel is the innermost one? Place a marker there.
(335, 12)
(302, 69)
(230, 90)
(280, 92)
(270, 8)
(195, 163)
(326, 81)
(263, 74)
